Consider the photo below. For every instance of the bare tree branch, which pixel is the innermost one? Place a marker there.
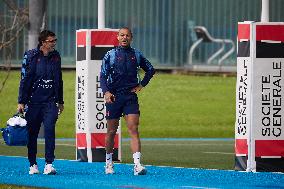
(11, 26)
(8, 58)
(11, 4)
(11, 32)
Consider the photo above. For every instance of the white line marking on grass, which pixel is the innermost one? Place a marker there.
(37, 158)
(159, 139)
(228, 153)
(151, 144)
(61, 144)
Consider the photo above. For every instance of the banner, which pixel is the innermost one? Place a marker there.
(259, 144)
(91, 125)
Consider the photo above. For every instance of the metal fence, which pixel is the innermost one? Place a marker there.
(163, 29)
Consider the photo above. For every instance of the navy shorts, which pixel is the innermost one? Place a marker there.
(124, 104)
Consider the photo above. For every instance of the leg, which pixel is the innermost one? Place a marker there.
(132, 114)
(132, 121)
(49, 121)
(113, 114)
(34, 119)
(112, 125)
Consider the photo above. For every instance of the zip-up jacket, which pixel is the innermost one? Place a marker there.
(120, 70)
(41, 78)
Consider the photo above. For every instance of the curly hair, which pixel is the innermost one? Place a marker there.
(44, 35)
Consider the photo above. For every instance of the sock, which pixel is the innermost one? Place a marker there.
(137, 157)
(108, 158)
(31, 164)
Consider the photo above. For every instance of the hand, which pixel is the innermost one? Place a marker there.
(21, 108)
(109, 97)
(137, 89)
(60, 108)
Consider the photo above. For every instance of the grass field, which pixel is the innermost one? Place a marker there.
(179, 106)
(171, 106)
(210, 154)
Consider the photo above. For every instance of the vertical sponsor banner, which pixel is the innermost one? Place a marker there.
(81, 103)
(268, 96)
(243, 98)
(260, 147)
(91, 125)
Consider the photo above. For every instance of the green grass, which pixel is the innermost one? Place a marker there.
(188, 106)
(171, 106)
(4, 186)
(184, 153)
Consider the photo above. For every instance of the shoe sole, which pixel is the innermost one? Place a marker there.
(33, 173)
(51, 173)
(143, 172)
(109, 173)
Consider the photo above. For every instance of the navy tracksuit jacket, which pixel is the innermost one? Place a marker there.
(120, 74)
(41, 87)
(120, 70)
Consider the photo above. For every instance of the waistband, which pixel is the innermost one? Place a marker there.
(121, 92)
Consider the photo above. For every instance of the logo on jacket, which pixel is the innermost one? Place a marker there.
(47, 81)
(107, 113)
(55, 58)
(46, 84)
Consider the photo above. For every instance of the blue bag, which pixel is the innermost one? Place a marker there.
(16, 131)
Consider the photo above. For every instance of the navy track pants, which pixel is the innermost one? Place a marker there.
(37, 114)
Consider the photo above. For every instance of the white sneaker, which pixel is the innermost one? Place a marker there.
(34, 169)
(49, 169)
(109, 168)
(139, 170)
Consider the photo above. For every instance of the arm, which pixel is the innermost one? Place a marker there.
(60, 92)
(149, 70)
(104, 76)
(25, 83)
(105, 71)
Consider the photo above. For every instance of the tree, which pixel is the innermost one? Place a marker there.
(11, 26)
